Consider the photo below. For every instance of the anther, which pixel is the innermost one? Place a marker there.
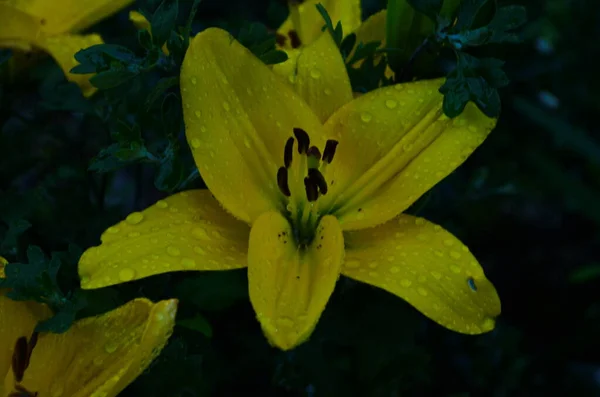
(288, 152)
(314, 151)
(312, 192)
(294, 39)
(329, 152)
(282, 181)
(280, 39)
(318, 179)
(303, 140)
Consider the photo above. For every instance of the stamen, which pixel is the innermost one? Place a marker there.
(318, 179)
(282, 181)
(312, 192)
(303, 140)
(280, 39)
(294, 39)
(288, 152)
(329, 152)
(314, 152)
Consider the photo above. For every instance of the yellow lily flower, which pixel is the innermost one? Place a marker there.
(52, 27)
(97, 356)
(307, 183)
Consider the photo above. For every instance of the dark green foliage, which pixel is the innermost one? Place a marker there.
(525, 203)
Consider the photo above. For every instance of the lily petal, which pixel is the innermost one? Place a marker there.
(17, 28)
(318, 73)
(64, 16)
(238, 115)
(100, 356)
(290, 286)
(186, 231)
(429, 268)
(63, 49)
(395, 144)
(306, 22)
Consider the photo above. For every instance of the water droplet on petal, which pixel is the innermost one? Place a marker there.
(126, 274)
(195, 142)
(455, 255)
(394, 269)
(194, 81)
(366, 117)
(200, 233)
(197, 113)
(328, 91)
(436, 275)
(315, 73)
(373, 265)
(111, 347)
(162, 204)
(173, 251)
(422, 291)
(113, 230)
(188, 262)
(455, 269)
(391, 104)
(405, 283)
(448, 242)
(352, 264)
(285, 322)
(226, 106)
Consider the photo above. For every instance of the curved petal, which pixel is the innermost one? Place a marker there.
(100, 356)
(238, 115)
(65, 16)
(318, 73)
(303, 26)
(17, 27)
(63, 49)
(429, 268)
(186, 231)
(290, 285)
(395, 143)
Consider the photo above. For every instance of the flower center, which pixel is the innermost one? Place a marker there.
(303, 183)
(20, 362)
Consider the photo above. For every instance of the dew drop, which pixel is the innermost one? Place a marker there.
(199, 251)
(366, 117)
(407, 147)
(374, 274)
(455, 269)
(422, 291)
(194, 81)
(315, 74)
(328, 91)
(419, 221)
(448, 242)
(126, 274)
(436, 275)
(394, 269)
(391, 104)
(195, 142)
(133, 234)
(200, 233)
(162, 204)
(247, 142)
(455, 255)
(422, 237)
(285, 322)
(352, 264)
(111, 347)
(113, 230)
(373, 265)
(405, 283)
(188, 262)
(197, 113)
(173, 251)
(226, 106)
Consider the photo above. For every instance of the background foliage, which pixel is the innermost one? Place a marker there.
(527, 203)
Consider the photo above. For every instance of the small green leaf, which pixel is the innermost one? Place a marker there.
(336, 32)
(64, 317)
(160, 88)
(112, 78)
(163, 21)
(15, 229)
(256, 37)
(467, 13)
(197, 323)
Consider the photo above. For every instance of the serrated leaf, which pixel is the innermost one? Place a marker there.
(197, 323)
(163, 21)
(64, 316)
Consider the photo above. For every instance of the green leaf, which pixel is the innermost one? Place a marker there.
(163, 21)
(64, 317)
(197, 323)
(160, 88)
(16, 228)
(431, 8)
(336, 32)
(112, 78)
(257, 38)
(506, 19)
(585, 274)
(467, 13)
